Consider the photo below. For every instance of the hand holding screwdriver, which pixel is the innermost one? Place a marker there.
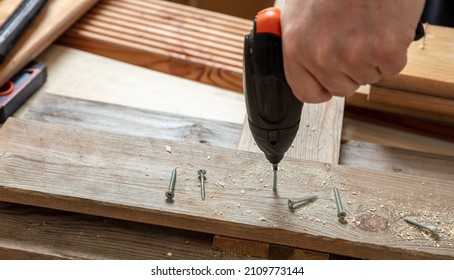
(330, 48)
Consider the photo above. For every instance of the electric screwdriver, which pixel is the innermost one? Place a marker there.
(273, 111)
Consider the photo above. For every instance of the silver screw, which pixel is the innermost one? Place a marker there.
(173, 179)
(291, 203)
(340, 209)
(432, 230)
(202, 173)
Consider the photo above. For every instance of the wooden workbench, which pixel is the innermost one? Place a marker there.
(147, 104)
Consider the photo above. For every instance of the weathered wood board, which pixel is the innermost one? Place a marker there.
(53, 108)
(318, 137)
(28, 232)
(125, 177)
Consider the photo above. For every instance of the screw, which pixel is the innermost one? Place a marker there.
(202, 173)
(173, 179)
(432, 230)
(275, 169)
(291, 203)
(340, 209)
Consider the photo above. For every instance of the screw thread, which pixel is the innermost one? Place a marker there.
(291, 203)
(432, 230)
(340, 209)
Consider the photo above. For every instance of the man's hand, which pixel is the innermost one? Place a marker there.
(331, 47)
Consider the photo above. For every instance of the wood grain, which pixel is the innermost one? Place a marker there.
(100, 116)
(176, 39)
(366, 131)
(125, 177)
(36, 233)
(429, 70)
(360, 100)
(55, 18)
(78, 74)
(241, 246)
(413, 101)
(318, 137)
(376, 157)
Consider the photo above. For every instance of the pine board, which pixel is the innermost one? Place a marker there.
(429, 70)
(125, 177)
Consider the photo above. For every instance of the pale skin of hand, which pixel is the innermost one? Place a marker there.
(331, 47)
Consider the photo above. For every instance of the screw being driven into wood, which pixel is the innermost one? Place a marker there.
(292, 203)
(432, 230)
(202, 173)
(173, 179)
(340, 209)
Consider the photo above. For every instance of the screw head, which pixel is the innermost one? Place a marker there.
(201, 172)
(169, 194)
(290, 204)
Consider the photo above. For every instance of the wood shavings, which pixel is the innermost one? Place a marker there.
(208, 157)
(262, 219)
(169, 149)
(169, 254)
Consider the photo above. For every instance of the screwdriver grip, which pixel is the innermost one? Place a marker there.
(273, 111)
(17, 23)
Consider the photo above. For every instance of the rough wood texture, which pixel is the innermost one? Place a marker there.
(429, 70)
(360, 100)
(241, 246)
(366, 131)
(82, 75)
(125, 177)
(36, 233)
(376, 157)
(413, 101)
(176, 39)
(58, 109)
(55, 18)
(318, 137)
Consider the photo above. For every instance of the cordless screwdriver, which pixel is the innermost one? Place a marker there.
(273, 111)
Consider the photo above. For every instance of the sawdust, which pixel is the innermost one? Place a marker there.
(169, 149)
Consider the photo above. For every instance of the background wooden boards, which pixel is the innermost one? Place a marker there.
(120, 176)
(180, 40)
(53, 20)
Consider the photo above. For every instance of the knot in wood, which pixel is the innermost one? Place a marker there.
(372, 222)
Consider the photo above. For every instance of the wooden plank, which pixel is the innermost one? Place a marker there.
(55, 18)
(241, 246)
(429, 70)
(125, 177)
(28, 232)
(100, 116)
(376, 157)
(279, 252)
(366, 131)
(318, 136)
(176, 39)
(82, 75)
(412, 101)
(361, 100)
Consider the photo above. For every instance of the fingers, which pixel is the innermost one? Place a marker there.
(303, 84)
